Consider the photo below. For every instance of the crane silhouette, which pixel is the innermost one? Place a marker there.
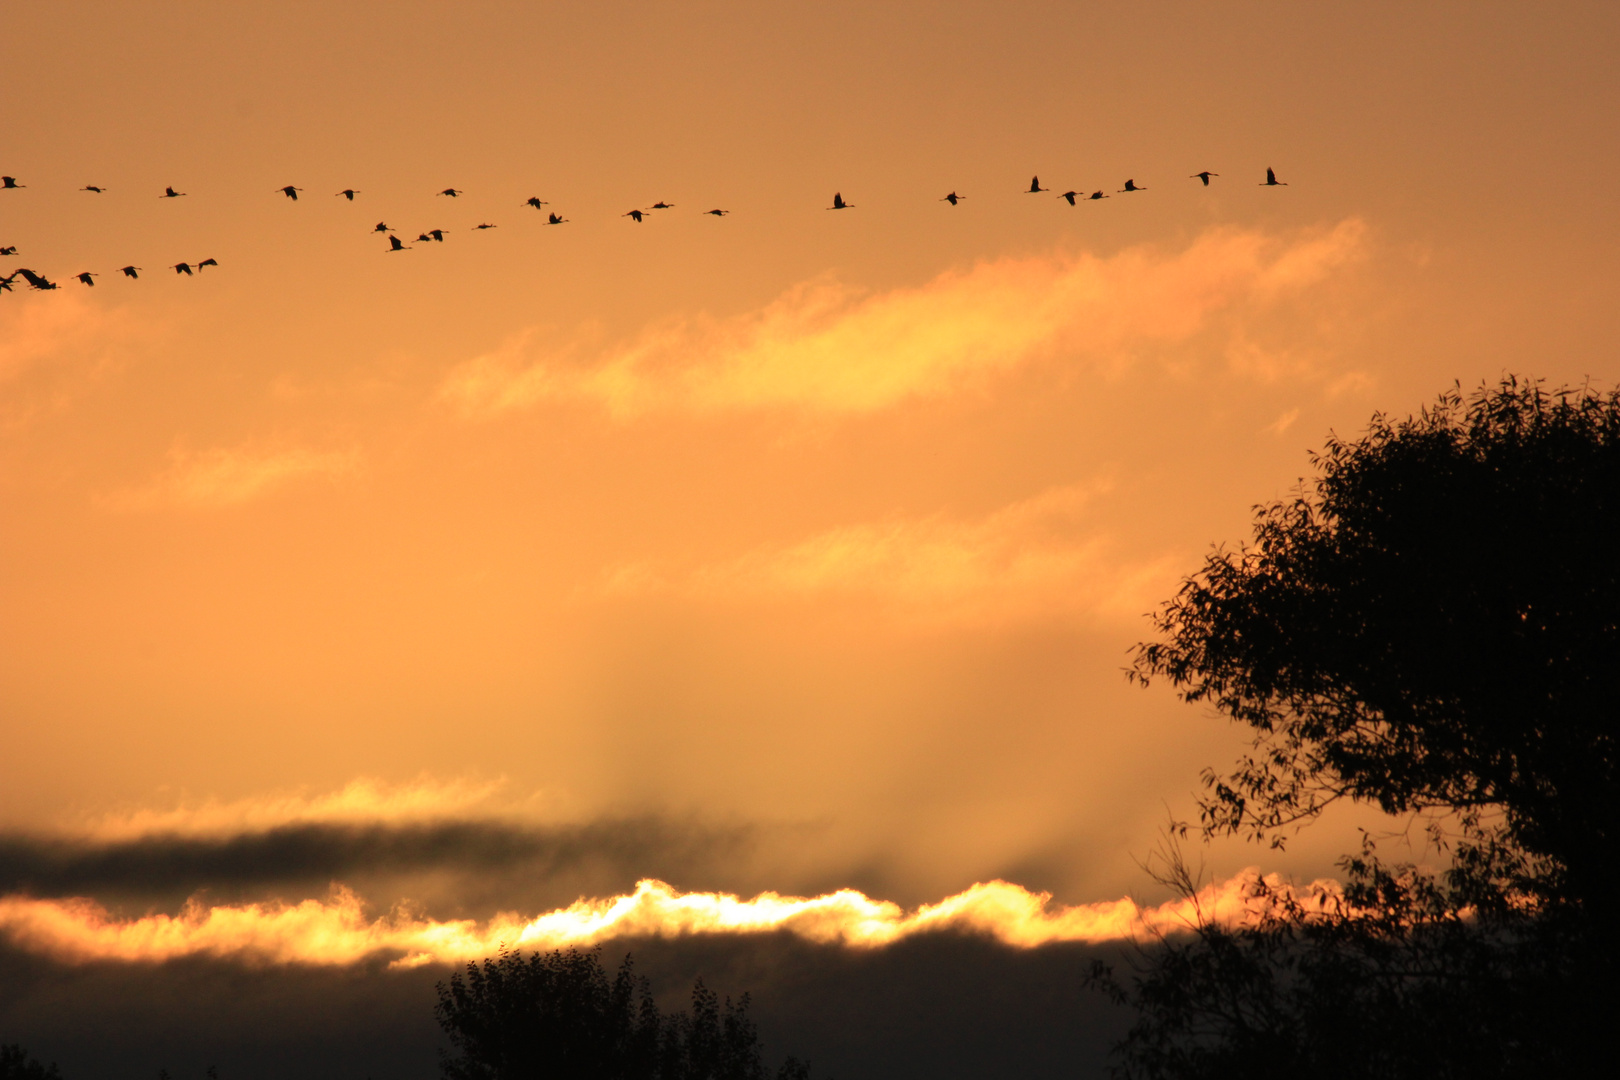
(12, 250)
(485, 225)
(1130, 185)
(1095, 195)
(206, 262)
(348, 193)
(10, 182)
(1035, 186)
(170, 193)
(88, 278)
(452, 192)
(394, 245)
(182, 268)
(382, 226)
(93, 188)
(717, 213)
(633, 215)
(1271, 179)
(953, 198)
(1204, 176)
(291, 192)
(662, 205)
(839, 203)
(553, 219)
(1071, 196)
(5, 283)
(130, 271)
(535, 201)
(432, 235)
(35, 281)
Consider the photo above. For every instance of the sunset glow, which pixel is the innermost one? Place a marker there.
(694, 478)
(339, 930)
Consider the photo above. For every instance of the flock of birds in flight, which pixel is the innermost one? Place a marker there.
(39, 282)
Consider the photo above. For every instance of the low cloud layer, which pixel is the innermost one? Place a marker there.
(454, 847)
(341, 931)
(826, 348)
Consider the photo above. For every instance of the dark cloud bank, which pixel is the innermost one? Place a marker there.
(455, 868)
(938, 1006)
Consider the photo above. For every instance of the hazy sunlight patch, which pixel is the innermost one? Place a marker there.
(1040, 555)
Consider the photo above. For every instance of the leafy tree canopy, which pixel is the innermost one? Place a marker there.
(1433, 623)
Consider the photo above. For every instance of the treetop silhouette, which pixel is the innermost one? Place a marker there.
(1434, 622)
(559, 1016)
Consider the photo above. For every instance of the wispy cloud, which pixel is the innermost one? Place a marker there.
(825, 347)
(229, 476)
(51, 346)
(339, 930)
(363, 801)
(1040, 555)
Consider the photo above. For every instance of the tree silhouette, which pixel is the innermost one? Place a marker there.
(1432, 626)
(558, 1016)
(17, 1064)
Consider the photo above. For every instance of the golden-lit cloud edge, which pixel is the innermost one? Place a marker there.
(362, 801)
(339, 931)
(825, 347)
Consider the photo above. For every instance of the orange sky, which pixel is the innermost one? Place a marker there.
(837, 525)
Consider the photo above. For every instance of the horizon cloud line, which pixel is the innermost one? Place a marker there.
(338, 932)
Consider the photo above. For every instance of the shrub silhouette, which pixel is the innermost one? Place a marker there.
(17, 1064)
(558, 1016)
